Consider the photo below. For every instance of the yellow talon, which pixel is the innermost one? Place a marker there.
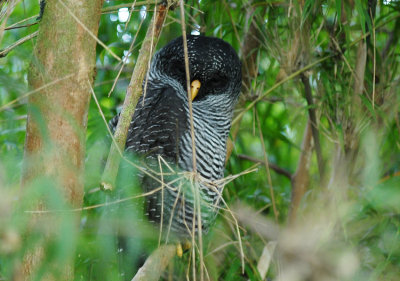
(179, 250)
(187, 245)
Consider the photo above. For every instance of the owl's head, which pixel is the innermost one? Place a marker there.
(212, 61)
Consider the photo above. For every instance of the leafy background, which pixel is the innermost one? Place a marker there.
(347, 227)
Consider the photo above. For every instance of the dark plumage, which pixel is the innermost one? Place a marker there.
(161, 127)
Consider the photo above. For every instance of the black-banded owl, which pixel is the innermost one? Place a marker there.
(161, 127)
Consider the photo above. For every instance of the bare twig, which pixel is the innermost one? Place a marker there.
(188, 84)
(115, 8)
(4, 15)
(124, 61)
(275, 86)
(374, 58)
(20, 26)
(15, 25)
(272, 166)
(6, 50)
(197, 209)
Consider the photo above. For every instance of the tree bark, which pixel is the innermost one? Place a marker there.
(65, 51)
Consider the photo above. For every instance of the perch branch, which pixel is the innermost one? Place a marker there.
(133, 94)
(155, 264)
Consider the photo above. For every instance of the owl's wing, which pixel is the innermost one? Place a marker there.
(157, 125)
(155, 130)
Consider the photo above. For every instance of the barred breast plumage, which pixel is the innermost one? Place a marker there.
(161, 128)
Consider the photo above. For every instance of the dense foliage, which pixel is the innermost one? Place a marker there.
(347, 227)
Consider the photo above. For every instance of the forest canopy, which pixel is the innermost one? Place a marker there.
(312, 171)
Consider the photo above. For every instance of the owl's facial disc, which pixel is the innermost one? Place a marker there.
(194, 88)
(212, 61)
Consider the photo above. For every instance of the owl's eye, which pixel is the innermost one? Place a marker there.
(181, 71)
(177, 69)
(217, 81)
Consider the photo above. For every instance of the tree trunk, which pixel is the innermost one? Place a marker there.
(63, 59)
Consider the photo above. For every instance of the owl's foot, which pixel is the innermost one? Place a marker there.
(187, 245)
(181, 248)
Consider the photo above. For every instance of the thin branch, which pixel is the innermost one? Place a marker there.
(4, 15)
(196, 208)
(124, 61)
(291, 76)
(314, 124)
(188, 85)
(21, 26)
(133, 93)
(115, 8)
(374, 57)
(15, 25)
(271, 190)
(272, 166)
(5, 51)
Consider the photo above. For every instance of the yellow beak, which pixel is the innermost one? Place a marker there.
(194, 88)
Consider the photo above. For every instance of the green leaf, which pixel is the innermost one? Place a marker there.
(339, 10)
(306, 11)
